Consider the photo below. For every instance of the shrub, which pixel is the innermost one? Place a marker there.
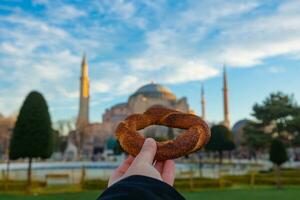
(19, 185)
(94, 184)
(199, 183)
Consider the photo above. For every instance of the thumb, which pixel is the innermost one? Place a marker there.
(147, 152)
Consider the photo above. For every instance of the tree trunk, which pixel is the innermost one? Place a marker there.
(230, 156)
(29, 172)
(252, 154)
(7, 169)
(277, 174)
(200, 165)
(83, 173)
(220, 157)
(7, 174)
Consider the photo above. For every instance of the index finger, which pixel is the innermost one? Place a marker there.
(147, 152)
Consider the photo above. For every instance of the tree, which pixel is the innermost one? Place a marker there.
(32, 135)
(59, 141)
(255, 138)
(117, 148)
(278, 156)
(274, 117)
(220, 140)
(114, 145)
(294, 127)
(275, 113)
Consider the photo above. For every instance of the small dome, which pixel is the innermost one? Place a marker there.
(238, 125)
(154, 90)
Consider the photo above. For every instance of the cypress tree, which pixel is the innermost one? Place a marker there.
(278, 156)
(220, 140)
(32, 136)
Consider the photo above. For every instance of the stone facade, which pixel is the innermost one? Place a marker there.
(96, 135)
(145, 97)
(6, 128)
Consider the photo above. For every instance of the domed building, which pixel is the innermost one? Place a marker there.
(96, 135)
(145, 97)
(238, 131)
(92, 137)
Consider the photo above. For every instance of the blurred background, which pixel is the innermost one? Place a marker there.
(71, 70)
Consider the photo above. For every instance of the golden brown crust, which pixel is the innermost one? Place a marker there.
(191, 140)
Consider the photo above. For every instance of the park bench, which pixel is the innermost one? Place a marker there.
(57, 179)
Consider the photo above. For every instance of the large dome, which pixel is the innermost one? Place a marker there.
(154, 90)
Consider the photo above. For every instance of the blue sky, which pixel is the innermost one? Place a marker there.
(129, 43)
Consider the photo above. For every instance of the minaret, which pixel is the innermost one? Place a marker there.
(83, 115)
(225, 99)
(202, 102)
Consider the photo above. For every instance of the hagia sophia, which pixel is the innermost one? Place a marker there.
(91, 138)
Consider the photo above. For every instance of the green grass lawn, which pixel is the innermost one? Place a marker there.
(226, 194)
(246, 194)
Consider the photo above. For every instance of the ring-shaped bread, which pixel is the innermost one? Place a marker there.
(196, 135)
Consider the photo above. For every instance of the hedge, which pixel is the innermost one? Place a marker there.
(288, 177)
(94, 184)
(19, 185)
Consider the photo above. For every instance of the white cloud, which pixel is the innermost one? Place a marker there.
(209, 12)
(249, 41)
(276, 69)
(65, 12)
(40, 52)
(290, 7)
(10, 49)
(128, 84)
(96, 102)
(162, 51)
(26, 64)
(99, 87)
(30, 23)
(122, 10)
(251, 54)
(189, 71)
(68, 94)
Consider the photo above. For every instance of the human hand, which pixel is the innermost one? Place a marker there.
(142, 164)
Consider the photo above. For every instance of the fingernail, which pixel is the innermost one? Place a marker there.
(149, 141)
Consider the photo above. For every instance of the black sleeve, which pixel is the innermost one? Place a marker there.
(140, 187)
